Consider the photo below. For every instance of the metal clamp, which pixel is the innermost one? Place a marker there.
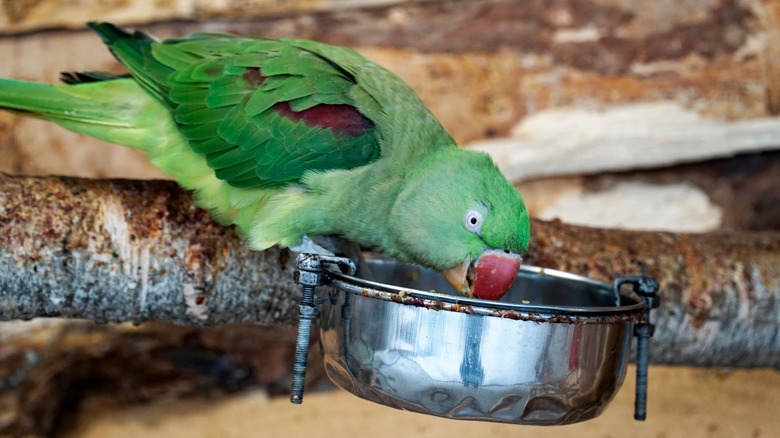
(646, 288)
(309, 273)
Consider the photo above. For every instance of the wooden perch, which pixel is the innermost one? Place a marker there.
(720, 292)
(140, 251)
(131, 251)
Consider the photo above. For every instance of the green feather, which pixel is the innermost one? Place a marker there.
(210, 145)
(332, 99)
(173, 56)
(201, 131)
(236, 170)
(303, 103)
(198, 48)
(277, 64)
(274, 82)
(191, 114)
(229, 85)
(250, 181)
(200, 72)
(250, 135)
(261, 101)
(227, 158)
(238, 63)
(293, 88)
(225, 100)
(188, 95)
(329, 85)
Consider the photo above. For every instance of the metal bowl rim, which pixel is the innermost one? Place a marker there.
(401, 295)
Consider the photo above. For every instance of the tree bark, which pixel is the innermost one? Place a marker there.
(138, 251)
(720, 292)
(135, 251)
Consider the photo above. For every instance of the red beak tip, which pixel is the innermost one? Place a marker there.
(495, 274)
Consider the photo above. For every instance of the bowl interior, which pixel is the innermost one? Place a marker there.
(534, 289)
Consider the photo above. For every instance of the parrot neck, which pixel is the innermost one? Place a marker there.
(359, 204)
(353, 203)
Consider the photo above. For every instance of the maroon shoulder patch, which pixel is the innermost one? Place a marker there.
(342, 119)
(253, 77)
(213, 71)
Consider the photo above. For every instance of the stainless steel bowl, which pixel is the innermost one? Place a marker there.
(553, 351)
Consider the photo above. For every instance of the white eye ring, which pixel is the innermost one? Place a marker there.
(473, 221)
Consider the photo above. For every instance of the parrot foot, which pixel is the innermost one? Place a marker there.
(308, 246)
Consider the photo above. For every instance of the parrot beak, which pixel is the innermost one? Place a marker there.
(489, 278)
(458, 277)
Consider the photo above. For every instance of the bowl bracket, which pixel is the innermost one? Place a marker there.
(309, 273)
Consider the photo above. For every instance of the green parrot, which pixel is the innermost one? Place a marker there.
(288, 139)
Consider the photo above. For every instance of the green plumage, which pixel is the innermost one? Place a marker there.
(226, 87)
(287, 137)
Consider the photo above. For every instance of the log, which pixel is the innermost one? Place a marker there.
(140, 251)
(729, 194)
(622, 137)
(118, 251)
(25, 16)
(720, 292)
(50, 373)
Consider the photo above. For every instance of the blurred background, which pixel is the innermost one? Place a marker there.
(654, 115)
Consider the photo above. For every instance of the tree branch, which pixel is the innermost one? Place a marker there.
(720, 291)
(139, 251)
(130, 251)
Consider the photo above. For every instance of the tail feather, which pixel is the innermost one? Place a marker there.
(82, 77)
(110, 33)
(54, 103)
(133, 50)
(118, 110)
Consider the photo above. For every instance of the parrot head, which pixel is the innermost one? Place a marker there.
(459, 215)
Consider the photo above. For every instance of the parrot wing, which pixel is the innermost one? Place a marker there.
(262, 112)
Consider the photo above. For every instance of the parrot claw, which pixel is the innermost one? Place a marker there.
(308, 246)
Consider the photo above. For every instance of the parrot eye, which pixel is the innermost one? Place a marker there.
(473, 221)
